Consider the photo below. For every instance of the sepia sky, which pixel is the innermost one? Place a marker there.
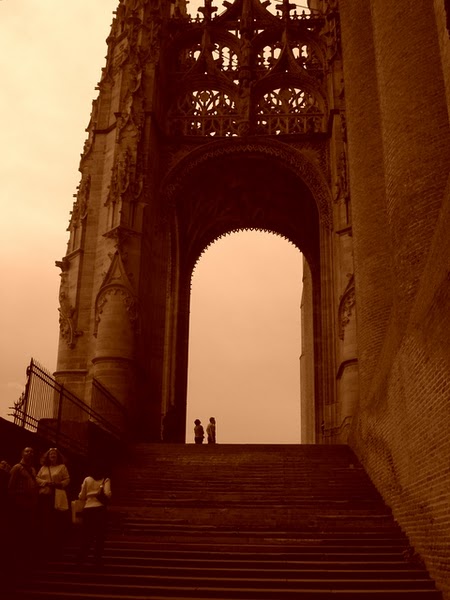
(245, 309)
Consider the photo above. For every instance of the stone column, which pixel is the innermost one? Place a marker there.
(116, 323)
(307, 394)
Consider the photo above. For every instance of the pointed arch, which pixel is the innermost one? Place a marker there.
(292, 159)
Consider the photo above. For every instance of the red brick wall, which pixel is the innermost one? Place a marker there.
(399, 160)
(372, 245)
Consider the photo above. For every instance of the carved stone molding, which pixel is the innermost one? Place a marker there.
(67, 320)
(89, 143)
(351, 363)
(121, 176)
(80, 206)
(294, 160)
(342, 189)
(346, 305)
(130, 303)
(120, 236)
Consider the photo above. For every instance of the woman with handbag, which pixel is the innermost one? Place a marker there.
(53, 506)
(95, 493)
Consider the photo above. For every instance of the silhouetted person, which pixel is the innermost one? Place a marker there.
(5, 520)
(23, 499)
(199, 432)
(95, 492)
(5, 469)
(53, 519)
(211, 431)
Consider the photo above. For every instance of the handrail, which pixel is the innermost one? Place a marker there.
(50, 409)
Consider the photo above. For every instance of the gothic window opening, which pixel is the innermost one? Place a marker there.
(304, 54)
(268, 56)
(204, 113)
(297, 11)
(307, 58)
(226, 59)
(288, 111)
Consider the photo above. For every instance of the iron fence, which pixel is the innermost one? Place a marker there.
(56, 414)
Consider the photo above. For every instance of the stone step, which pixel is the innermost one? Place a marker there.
(185, 534)
(223, 578)
(331, 555)
(233, 569)
(230, 590)
(269, 517)
(245, 522)
(125, 563)
(245, 545)
(194, 594)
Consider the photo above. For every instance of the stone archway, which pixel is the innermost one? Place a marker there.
(214, 130)
(230, 186)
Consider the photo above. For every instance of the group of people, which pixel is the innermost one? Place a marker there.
(199, 432)
(36, 510)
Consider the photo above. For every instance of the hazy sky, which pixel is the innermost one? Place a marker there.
(245, 315)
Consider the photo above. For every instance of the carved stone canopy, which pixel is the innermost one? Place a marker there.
(214, 191)
(247, 72)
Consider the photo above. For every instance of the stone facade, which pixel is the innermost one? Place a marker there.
(329, 128)
(203, 127)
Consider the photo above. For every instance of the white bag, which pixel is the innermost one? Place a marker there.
(61, 502)
(77, 511)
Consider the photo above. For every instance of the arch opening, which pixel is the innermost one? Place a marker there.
(244, 341)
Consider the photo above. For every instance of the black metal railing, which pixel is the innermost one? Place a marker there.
(56, 414)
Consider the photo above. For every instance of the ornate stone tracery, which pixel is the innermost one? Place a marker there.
(67, 319)
(261, 56)
(288, 110)
(205, 113)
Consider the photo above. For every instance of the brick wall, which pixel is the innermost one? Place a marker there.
(399, 163)
(442, 12)
(372, 244)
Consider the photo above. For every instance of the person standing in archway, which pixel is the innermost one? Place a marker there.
(211, 430)
(199, 432)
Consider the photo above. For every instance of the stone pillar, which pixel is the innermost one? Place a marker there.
(116, 323)
(307, 393)
(347, 380)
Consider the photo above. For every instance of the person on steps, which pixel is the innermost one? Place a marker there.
(23, 499)
(211, 430)
(95, 493)
(53, 506)
(199, 432)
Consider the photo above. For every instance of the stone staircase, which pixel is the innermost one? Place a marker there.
(240, 522)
